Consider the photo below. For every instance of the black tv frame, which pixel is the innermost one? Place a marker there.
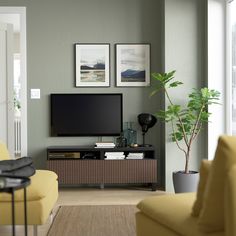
(53, 134)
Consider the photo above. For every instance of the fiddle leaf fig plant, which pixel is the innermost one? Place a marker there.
(186, 122)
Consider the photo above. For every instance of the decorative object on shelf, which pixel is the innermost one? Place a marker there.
(134, 145)
(146, 121)
(92, 65)
(186, 122)
(130, 134)
(121, 141)
(132, 65)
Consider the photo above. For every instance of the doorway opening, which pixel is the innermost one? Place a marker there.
(17, 17)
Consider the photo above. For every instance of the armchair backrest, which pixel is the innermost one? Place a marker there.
(4, 154)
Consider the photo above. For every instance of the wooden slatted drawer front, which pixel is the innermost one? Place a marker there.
(104, 171)
(130, 171)
(77, 171)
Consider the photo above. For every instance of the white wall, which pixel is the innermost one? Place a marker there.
(184, 52)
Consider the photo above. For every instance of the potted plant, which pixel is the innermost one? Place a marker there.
(186, 122)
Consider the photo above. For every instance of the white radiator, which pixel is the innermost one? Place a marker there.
(17, 134)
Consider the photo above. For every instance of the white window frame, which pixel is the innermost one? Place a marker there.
(217, 70)
(229, 84)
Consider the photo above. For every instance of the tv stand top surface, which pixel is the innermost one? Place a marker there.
(87, 148)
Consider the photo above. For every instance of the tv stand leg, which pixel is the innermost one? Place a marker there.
(101, 186)
(154, 186)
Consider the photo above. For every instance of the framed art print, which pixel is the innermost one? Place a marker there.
(132, 65)
(92, 65)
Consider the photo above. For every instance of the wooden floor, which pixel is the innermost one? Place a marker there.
(88, 196)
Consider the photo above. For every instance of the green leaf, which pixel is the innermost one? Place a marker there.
(175, 84)
(177, 135)
(188, 120)
(163, 78)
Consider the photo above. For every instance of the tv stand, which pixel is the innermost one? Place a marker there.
(77, 165)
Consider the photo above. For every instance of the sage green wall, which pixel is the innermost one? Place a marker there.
(176, 31)
(53, 26)
(184, 52)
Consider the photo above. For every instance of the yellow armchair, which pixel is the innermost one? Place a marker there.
(209, 212)
(42, 195)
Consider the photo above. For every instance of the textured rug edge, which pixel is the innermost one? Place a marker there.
(60, 207)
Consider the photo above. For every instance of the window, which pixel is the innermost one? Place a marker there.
(232, 33)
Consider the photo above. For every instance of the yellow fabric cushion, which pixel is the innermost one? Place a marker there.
(230, 202)
(204, 171)
(41, 183)
(4, 154)
(37, 211)
(149, 227)
(173, 211)
(212, 214)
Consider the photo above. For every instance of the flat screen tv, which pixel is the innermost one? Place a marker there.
(86, 114)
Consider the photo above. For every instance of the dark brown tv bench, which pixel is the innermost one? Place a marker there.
(77, 165)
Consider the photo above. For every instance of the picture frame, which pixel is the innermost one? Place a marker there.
(132, 64)
(92, 64)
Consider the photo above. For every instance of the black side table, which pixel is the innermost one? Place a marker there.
(9, 184)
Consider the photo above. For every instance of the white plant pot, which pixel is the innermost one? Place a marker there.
(185, 182)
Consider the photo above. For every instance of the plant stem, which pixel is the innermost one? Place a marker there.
(194, 134)
(186, 170)
(181, 124)
(188, 142)
(176, 141)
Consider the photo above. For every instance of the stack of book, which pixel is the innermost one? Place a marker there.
(105, 145)
(135, 155)
(114, 155)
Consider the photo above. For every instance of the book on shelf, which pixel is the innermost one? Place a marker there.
(105, 145)
(121, 157)
(135, 155)
(134, 158)
(114, 155)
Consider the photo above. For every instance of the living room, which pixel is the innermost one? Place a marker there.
(179, 34)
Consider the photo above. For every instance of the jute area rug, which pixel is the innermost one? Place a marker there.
(101, 220)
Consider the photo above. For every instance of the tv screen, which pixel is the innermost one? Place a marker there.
(86, 114)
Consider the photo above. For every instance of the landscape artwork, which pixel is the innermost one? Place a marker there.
(92, 65)
(132, 64)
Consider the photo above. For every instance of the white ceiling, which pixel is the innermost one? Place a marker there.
(11, 19)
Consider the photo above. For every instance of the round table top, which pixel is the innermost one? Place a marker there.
(9, 183)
